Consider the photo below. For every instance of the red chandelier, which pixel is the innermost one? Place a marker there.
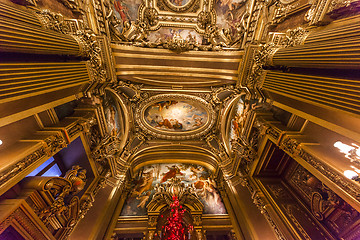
(175, 229)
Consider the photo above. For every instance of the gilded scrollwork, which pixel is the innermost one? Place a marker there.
(151, 16)
(262, 57)
(282, 10)
(83, 125)
(114, 24)
(295, 37)
(135, 31)
(204, 19)
(89, 45)
(130, 91)
(177, 44)
(245, 153)
(52, 21)
(106, 151)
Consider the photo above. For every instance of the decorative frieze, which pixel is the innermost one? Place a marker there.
(23, 221)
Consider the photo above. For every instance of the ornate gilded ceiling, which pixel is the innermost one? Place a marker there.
(180, 25)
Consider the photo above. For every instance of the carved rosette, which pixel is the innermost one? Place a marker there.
(175, 135)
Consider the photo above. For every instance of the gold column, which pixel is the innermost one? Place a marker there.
(342, 94)
(334, 46)
(22, 31)
(23, 80)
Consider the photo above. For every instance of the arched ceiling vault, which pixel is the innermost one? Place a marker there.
(174, 153)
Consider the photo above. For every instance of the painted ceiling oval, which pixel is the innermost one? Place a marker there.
(178, 3)
(175, 116)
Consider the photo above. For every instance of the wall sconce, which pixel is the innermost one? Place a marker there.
(1, 142)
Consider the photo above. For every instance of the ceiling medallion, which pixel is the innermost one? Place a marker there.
(175, 116)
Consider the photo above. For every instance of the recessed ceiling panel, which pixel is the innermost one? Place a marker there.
(162, 67)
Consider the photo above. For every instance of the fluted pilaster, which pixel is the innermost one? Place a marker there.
(22, 31)
(334, 46)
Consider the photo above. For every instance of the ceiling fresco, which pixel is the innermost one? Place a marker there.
(175, 116)
(230, 12)
(180, 25)
(150, 177)
(112, 111)
(240, 113)
(165, 33)
(236, 122)
(126, 10)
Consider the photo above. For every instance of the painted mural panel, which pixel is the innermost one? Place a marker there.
(165, 33)
(237, 120)
(230, 12)
(175, 115)
(241, 111)
(126, 10)
(149, 176)
(112, 110)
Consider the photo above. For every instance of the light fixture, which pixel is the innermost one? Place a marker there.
(351, 152)
(350, 174)
(1, 142)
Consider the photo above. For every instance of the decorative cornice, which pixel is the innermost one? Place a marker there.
(51, 145)
(260, 203)
(295, 149)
